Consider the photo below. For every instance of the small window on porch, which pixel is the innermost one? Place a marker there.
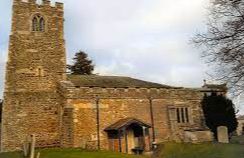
(182, 114)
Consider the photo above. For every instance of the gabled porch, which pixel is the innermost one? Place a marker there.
(129, 135)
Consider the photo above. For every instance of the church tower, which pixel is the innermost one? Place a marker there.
(36, 63)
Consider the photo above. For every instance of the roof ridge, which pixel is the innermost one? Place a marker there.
(113, 81)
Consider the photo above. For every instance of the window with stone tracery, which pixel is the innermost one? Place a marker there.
(38, 23)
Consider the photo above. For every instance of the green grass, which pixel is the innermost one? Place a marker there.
(71, 153)
(167, 150)
(211, 150)
(237, 140)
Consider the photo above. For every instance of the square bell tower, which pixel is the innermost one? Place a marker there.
(36, 63)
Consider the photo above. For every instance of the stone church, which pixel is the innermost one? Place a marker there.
(95, 112)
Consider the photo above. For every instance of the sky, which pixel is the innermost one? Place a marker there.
(144, 39)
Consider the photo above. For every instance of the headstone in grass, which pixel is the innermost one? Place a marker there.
(222, 133)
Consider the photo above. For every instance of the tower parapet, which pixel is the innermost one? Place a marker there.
(44, 3)
(25, 10)
(59, 5)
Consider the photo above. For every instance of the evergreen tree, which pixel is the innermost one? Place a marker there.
(219, 111)
(82, 64)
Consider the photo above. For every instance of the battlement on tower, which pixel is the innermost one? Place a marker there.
(43, 4)
(52, 16)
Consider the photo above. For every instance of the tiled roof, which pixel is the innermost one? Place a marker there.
(215, 86)
(240, 117)
(125, 123)
(112, 82)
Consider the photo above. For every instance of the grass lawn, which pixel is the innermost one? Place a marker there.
(237, 140)
(167, 150)
(71, 153)
(174, 150)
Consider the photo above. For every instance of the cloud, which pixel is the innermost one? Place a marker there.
(184, 13)
(3, 59)
(109, 23)
(161, 62)
(2, 72)
(143, 39)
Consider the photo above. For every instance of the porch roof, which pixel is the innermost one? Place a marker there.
(125, 123)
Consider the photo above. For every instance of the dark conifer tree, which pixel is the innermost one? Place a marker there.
(219, 111)
(82, 64)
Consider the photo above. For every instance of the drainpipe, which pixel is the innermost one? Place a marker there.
(126, 140)
(152, 118)
(98, 122)
(120, 143)
(1, 129)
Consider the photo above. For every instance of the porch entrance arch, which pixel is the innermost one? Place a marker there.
(129, 135)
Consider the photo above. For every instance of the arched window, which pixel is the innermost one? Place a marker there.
(34, 24)
(42, 24)
(38, 23)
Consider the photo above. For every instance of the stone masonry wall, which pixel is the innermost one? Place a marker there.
(116, 104)
(31, 113)
(36, 62)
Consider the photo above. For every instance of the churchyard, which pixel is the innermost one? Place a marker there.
(167, 150)
(233, 148)
(208, 150)
(71, 153)
(222, 148)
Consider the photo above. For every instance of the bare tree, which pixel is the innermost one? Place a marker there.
(223, 42)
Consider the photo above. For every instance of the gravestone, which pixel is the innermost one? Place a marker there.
(222, 133)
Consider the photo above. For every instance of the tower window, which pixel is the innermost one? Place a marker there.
(42, 24)
(38, 23)
(34, 24)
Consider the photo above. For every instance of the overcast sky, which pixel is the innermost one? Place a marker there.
(145, 39)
